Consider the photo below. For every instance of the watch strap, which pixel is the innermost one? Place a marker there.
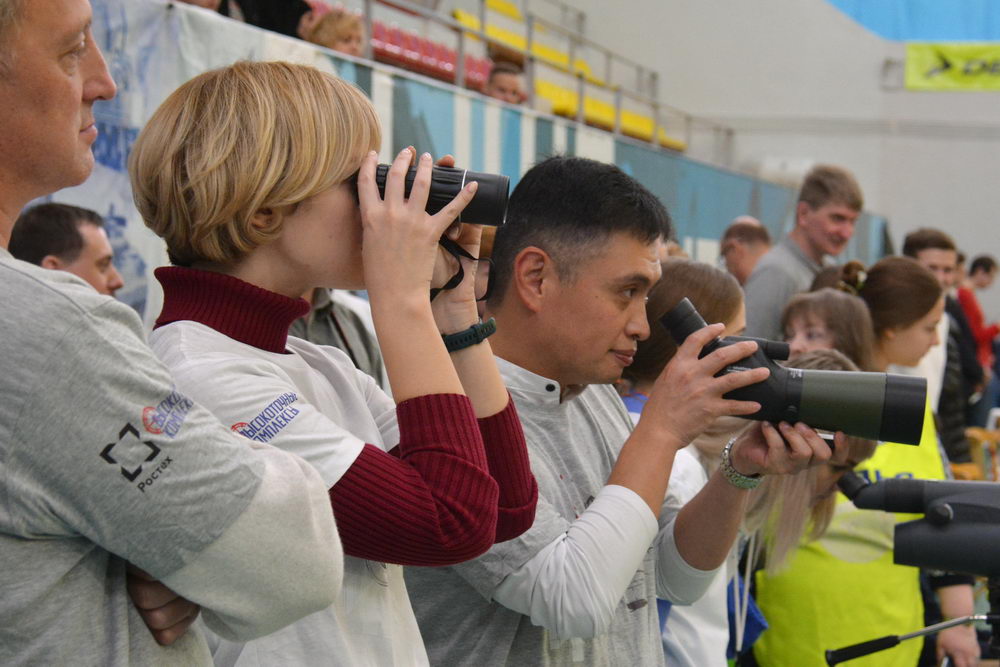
(474, 335)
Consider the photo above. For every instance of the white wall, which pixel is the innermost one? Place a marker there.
(798, 79)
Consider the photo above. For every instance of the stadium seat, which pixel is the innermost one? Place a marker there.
(505, 8)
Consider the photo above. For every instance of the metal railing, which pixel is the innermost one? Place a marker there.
(645, 91)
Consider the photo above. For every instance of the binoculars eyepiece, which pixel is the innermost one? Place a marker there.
(879, 406)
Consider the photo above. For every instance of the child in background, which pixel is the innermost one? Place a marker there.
(830, 319)
(336, 28)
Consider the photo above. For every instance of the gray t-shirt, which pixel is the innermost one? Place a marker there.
(101, 461)
(573, 446)
(780, 274)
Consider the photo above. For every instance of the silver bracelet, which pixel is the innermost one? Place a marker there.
(734, 476)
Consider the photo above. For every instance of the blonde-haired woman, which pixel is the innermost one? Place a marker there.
(253, 175)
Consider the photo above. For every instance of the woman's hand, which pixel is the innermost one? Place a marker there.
(785, 450)
(400, 243)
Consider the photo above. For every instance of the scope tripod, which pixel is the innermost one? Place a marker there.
(837, 656)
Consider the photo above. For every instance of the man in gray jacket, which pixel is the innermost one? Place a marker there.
(102, 462)
(573, 265)
(830, 202)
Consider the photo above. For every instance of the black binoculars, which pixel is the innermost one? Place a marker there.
(488, 206)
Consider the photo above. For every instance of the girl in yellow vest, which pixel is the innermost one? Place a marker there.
(844, 588)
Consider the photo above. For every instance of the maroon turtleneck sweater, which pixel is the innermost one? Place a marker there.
(452, 487)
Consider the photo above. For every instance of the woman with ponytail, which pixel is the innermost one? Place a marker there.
(844, 588)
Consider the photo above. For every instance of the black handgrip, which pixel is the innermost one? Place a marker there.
(839, 655)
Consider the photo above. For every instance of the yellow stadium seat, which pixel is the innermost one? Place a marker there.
(467, 20)
(563, 100)
(506, 37)
(554, 57)
(581, 65)
(670, 142)
(505, 8)
(598, 112)
(636, 125)
(550, 55)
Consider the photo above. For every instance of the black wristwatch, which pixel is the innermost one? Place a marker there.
(474, 335)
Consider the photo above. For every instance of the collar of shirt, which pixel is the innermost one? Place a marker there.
(800, 254)
(539, 388)
(321, 298)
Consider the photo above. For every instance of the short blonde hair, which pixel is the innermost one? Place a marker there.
(236, 140)
(336, 25)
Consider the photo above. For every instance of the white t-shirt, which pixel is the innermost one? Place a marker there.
(315, 403)
(696, 635)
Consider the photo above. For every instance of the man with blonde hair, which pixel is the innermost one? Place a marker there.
(102, 462)
(830, 202)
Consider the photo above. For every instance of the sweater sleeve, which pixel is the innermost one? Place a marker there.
(434, 504)
(507, 457)
(977, 322)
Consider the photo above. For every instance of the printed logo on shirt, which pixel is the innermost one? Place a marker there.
(168, 415)
(131, 454)
(271, 420)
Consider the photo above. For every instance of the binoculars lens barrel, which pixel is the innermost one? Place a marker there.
(488, 206)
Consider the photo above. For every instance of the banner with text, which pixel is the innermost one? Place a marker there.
(953, 66)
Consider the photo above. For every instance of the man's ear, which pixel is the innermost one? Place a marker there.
(52, 262)
(800, 210)
(533, 276)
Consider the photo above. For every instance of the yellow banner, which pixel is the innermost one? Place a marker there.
(955, 66)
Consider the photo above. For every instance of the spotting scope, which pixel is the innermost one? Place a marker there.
(879, 406)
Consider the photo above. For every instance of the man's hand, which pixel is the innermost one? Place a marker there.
(960, 644)
(687, 396)
(785, 450)
(167, 615)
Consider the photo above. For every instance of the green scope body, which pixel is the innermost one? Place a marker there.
(879, 406)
